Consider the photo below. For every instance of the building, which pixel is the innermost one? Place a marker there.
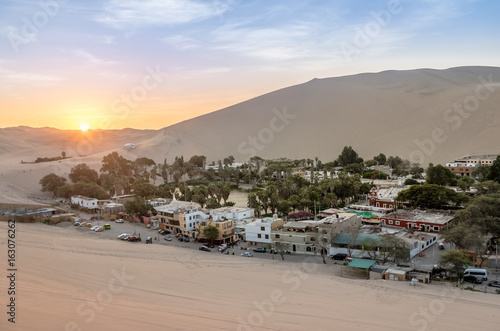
(168, 215)
(355, 243)
(85, 202)
(465, 166)
(258, 232)
(159, 202)
(395, 274)
(417, 219)
(462, 169)
(225, 227)
(188, 220)
(234, 213)
(310, 237)
(112, 210)
(384, 197)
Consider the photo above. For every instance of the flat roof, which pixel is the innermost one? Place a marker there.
(361, 263)
(419, 216)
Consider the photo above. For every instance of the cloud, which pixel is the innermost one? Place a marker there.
(120, 14)
(108, 40)
(34, 77)
(91, 59)
(286, 42)
(181, 42)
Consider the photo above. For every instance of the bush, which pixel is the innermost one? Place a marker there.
(411, 181)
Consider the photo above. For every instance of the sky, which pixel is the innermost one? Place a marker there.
(148, 64)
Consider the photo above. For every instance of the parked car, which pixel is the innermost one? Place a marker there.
(247, 254)
(134, 238)
(440, 246)
(204, 248)
(77, 224)
(123, 236)
(163, 232)
(473, 279)
(94, 228)
(494, 283)
(119, 220)
(260, 250)
(339, 256)
(182, 238)
(99, 229)
(107, 227)
(168, 238)
(209, 245)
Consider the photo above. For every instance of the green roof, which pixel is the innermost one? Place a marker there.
(361, 263)
(347, 238)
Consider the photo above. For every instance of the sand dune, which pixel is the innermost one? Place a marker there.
(423, 115)
(70, 281)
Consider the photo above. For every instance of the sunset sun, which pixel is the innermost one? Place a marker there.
(84, 126)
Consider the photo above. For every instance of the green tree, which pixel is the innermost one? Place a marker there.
(480, 172)
(52, 182)
(440, 175)
(465, 183)
(138, 207)
(487, 187)
(198, 160)
(381, 159)
(494, 171)
(145, 190)
(411, 181)
(430, 196)
(348, 156)
(116, 165)
(455, 260)
(211, 233)
(83, 173)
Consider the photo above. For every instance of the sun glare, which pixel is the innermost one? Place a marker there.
(84, 126)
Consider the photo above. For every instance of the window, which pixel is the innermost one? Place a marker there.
(267, 236)
(397, 222)
(436, 228)
(390, 221)
(308, 249)
(277, 236)
(262, 228)
(259, 236)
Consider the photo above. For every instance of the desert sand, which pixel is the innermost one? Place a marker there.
(69, 281)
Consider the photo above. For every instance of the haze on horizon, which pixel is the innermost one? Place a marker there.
(67, 64)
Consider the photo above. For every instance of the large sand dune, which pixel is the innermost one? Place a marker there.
(69, 280)
(423, 115)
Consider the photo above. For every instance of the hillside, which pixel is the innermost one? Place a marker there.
(425, 115)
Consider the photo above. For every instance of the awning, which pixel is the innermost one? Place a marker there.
(361, 263)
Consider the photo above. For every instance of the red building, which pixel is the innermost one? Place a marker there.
(416, 219)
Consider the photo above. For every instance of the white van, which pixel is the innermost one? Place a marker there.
(477, 272)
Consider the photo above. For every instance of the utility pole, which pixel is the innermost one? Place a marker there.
(496, 254)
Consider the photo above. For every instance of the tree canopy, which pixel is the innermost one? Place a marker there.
(348, 156)
(440, 175)
(494, 171)
(430, 196)
(52, 182)
(83, 173)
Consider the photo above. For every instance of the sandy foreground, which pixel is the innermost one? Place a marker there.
(67, 281)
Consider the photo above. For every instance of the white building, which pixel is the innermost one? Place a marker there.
(258, 232)
(232, 213)
(85, 202)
